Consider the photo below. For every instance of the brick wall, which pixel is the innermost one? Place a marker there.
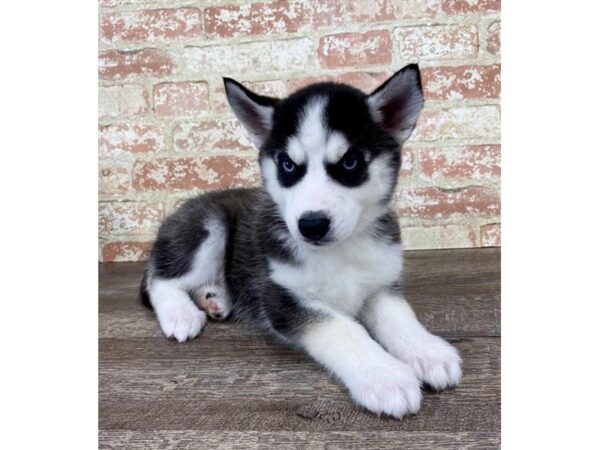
(166, 133)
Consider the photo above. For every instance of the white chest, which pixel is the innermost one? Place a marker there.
(341, 278)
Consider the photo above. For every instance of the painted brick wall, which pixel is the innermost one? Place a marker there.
(166, 133)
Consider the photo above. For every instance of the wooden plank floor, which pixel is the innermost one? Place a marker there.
(234, 388)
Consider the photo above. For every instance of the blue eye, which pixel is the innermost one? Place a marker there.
(350, 163)
(288, 166)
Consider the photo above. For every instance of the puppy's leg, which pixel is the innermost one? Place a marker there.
(177, 315)
(392, 322)
(214, 300)
(376, 380)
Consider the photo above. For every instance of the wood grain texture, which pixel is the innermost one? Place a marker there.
(454, 293)
(235, 388)
(358, 440)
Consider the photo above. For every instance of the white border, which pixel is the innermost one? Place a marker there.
(550, 159)
(49, 225)
(550, 203)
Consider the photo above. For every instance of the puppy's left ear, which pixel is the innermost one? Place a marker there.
(253, 110)
(396, 104)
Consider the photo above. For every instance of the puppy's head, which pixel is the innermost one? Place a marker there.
(329, 153)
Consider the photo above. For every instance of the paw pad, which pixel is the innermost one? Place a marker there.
(214, 300)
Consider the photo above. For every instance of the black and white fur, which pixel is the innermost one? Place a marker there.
(314, 256)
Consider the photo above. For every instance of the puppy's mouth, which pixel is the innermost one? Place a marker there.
(320, 242)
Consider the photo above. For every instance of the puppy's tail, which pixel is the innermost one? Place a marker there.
(144, 294)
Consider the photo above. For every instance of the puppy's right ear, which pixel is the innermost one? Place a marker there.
(253, 110)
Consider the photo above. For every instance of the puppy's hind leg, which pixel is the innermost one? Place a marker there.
(214, 300)
(169, 289)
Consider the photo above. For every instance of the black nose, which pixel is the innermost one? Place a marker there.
(313, 225)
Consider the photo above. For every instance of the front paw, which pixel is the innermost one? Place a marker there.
(436, 363)
(389, 388)
(181, 320)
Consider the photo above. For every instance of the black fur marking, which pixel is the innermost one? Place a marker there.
(285, 313)
(184, 231)
(387, 227)
(346, 100)
(347, 112)
(350, 177)
(144, 295)
(274, 237)
(287, 118)
(288, 178)
(178, 239)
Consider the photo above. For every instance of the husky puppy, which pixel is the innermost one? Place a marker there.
(314, 255)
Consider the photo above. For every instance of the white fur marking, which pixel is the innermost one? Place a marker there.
(374, 378)
(177, 315)
(312, 134)
(336, 147)
(341, 276)
(394, 324)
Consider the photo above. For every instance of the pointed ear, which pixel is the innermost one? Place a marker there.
(253, 110)
(396, 104)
